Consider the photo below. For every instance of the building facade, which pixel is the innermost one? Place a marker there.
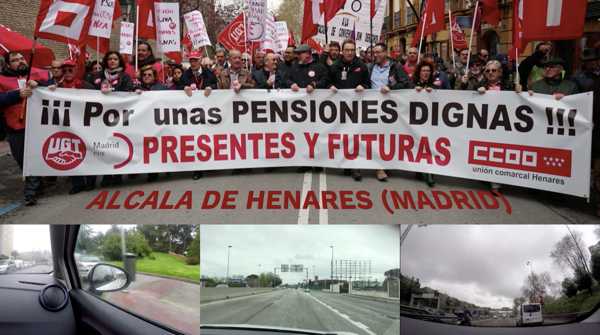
(6, 239)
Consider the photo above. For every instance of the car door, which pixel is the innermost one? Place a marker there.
(94, 315)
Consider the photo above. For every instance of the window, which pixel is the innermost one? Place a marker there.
(25, 249)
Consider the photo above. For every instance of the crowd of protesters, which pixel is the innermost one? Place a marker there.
(338, 67)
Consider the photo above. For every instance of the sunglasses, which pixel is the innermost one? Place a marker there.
(148, 75)
(69, 70)
(491, 70)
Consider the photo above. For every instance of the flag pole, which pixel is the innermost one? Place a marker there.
(371, 20)
(517, 64)
(27, 81)
(137, 36)
(421, 37)
(471, 36)
(162, 66)
(245, 39)
(97, 49)
(451, 39)
(325, 19)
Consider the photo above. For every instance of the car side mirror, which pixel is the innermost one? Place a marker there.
(104, 277)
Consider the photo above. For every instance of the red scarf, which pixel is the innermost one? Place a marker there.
(77, 83)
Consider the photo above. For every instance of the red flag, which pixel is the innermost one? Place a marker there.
(434, 21)
(104, 42)
(332, 7)
(187, 42)
(457, 36)
(313, 44)
(175, 56)
(519, 43)
(291, 39)
(310, 20)
(374, 7)
(234, 36)
(395, 53)
(81, 63)
(476, 17)
(65, 21)
(553, 20)
(13, 41)
(147, 28)
(491, 12)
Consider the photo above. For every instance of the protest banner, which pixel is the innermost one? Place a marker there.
(504, 137)
(102, 19)
(353, 12)
(257, 20)
(167, 27)
(282, 36)
(126, 42)
(197, 33)
(234, 35)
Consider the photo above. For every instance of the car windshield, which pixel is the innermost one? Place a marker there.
(27, 247)
(500, 275)
(322, 278)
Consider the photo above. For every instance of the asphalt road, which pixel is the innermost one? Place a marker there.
(316, 310)
(56, 206)
(498, 322)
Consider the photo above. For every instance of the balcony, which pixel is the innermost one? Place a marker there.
(410, 18)
(397, 19)
(454, 5)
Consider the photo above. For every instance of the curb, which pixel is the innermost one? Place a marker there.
(207, 300)
(170, 277)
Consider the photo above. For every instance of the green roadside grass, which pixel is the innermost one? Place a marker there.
(579, 303)
(167, 265)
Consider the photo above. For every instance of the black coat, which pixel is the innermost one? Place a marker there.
(595, 88)
(304, 75)
(261, 76)
(207, 78)
(397, 72)
(125, 84)
(357, 73)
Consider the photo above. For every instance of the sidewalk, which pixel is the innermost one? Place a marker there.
(4, 148)
(170, 302)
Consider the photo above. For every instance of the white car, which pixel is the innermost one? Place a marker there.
(222, 286)
(85, 263)
(530, 315)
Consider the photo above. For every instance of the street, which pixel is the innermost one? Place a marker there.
(55, 205)
(294, 308)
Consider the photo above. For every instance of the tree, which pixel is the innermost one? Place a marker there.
(88, 241)
(536, 285)
(392, 274)
(194, 248)
(569, 288)
(597, 231)
(3, 256)
(568, 254)
(595, 266)
(135, 243)
(583, 281)
(291, 11)
(15, 254)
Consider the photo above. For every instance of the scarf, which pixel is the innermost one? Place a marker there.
(110, 75)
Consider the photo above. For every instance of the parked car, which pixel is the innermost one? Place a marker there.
(495, 316)
(85, 263)
(7, 266)
(529, 315)
(222, 286)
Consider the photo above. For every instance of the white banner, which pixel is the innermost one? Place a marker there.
(167, 27)
(102, 18)
(196, 29)
(354, 12)
(257, 20)
(271, 35)
(282, 36)
(504, 137)
(126, 42)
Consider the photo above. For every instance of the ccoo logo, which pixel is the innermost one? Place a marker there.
(63, 151)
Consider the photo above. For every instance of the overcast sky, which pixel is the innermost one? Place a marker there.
(483, 264)
(270, 246)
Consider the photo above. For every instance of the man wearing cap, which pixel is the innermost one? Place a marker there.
(531, 68)
(197, 78)
(469, 81)
(589, 71)
(502, 58)
(553, 82)
(308, 74)
(12, 93)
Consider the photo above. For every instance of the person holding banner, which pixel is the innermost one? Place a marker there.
(144, 56)
(553, 82)
(113, 78)
(258, 63)
(494, 82)
(386, 75)
(269, 77)
(13, 91)
(412, 61)
(56, 71)
(439, 77)
(423, 79)
(469, 81)
(531, 69)
(197, 78)
(235, 78)
(349, 73)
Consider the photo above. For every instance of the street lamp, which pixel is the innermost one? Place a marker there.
(258, 275)
(532, 279)
(228, 250)
(331, 246)
(314, 273)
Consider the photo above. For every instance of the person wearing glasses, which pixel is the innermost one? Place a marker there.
(197, 78)
(289, 59)
(484, 55)
(207, 63)
(12, 92)
(494, 82)
(349, 73)
(236, 77)
(56, 71)
(423, 79)
(553, 82)
(468, 81)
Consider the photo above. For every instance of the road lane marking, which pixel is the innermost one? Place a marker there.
(8, 209)
(323, 215)
(357, 324)
(303, 213)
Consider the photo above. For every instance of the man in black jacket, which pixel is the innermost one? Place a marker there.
(289, 58)
(306, 73)
(350, 73)
(268, 76)
(197, 78)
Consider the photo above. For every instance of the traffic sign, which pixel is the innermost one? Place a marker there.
(285, 268)
(296, 268)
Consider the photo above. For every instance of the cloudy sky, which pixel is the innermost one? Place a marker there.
(270, 246)
(483, 264)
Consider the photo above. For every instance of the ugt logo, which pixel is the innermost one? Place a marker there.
(63, 151)
(57, 113)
